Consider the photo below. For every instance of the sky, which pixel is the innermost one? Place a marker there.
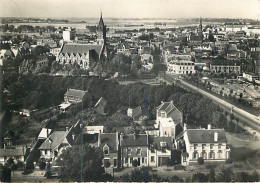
(131, 8)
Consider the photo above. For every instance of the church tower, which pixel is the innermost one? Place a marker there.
(200, 32)
(101, 32)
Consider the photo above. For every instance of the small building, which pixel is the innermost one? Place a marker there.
(14, 153)
(210, 144)
(160, 150)
(134, 147)
(136, 114)
(74, 96)
(93, 129)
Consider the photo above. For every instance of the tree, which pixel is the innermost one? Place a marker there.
(200, 161)
(212, 177)
(107, 164)
(81, 164)
(199, 177)
(42, 165)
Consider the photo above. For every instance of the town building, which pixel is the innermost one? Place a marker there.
(225, 66)
(167, 110)
(210, 144)
(57, 141)
(134, 147)
(17, 154)
(181, 67)
(160, 150)
(109, 144)
(74, 96)
(81, 54)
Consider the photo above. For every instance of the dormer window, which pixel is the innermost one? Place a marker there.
(106, 149)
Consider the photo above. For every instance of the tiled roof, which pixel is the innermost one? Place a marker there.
(76, 93)
(156, 141)
(56, 138)
(12, 152)
(111, 139)
(205, 135)
(80, 48)
(134, 140)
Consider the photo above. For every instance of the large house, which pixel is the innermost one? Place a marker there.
(160, 150)
(134, 147)
(210, 144)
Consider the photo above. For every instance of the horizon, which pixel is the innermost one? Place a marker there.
(145, 9)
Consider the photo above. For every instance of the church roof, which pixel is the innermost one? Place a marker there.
(81, 48)
(101, 24)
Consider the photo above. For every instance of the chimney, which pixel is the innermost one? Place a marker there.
(67, 128)
(184, 127)
(209, 126)
(161, 102)
(121, 137)
(99, 138)
(73, 137)
(215, 136)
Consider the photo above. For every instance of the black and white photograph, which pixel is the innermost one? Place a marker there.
(129, 90)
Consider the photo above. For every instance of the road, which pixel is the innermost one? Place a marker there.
(244, 117)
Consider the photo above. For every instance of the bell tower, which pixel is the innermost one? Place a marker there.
(101, 31)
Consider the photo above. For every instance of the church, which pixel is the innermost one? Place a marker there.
(84, 54)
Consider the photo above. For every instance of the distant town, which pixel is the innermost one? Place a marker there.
(130, 100)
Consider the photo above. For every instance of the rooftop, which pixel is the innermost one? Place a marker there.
(206, 135)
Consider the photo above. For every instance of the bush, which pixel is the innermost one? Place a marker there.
(179, 167)
(229, 161)
(107, 164)
(42, 165)
(200, 161)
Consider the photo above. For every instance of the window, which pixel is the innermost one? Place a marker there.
(131, 160)
(195, 155)
(106, 152)
(219, 146)
(211, 146)
(219, 154)
(138, 152)
(203, 146)
(211, 155)
(152, 158)
(143, 160)
(46, 151)
(129, 151)
(195, 146)
(126, 160)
